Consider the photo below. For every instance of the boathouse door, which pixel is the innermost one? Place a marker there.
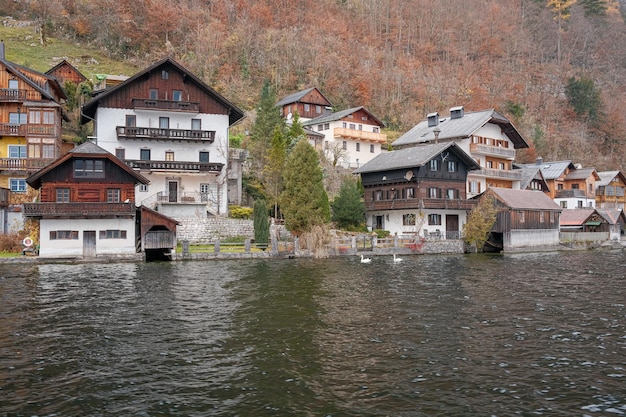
(89, 244)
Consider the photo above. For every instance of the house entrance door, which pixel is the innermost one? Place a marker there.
(379, 222)
(172, 190)
(89, 244)
(452, 226)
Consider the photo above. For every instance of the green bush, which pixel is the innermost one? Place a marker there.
(381, 234)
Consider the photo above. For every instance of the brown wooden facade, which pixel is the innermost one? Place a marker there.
(612, 193)
(66, 72)
(308, 104)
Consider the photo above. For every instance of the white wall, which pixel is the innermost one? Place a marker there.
(74, 248)
(394, 223)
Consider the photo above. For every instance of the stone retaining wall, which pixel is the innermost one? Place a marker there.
(208, 230)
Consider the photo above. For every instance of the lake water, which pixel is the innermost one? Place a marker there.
(459, 335)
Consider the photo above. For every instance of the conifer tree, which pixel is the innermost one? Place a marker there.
(261, 223)
(268, 119)
(348, 208)
(304, 202)
(273, 170)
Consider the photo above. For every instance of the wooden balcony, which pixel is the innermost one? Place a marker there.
(155, 133)
(572, 194)
(342, 132)
(424, 203)
(79, 210)
(166, 105)
(17, 95)
(498, 151)
(11, 129)
(210, 167)
(24, 164)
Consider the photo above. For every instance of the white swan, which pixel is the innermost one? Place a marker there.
(396, 259)
(365, 260)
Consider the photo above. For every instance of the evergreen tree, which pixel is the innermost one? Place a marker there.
(595, 7)
(304, 202)
(584, 97)
(348, 208)
(295, 132)
(268, 119)
(261, 223)
(273, 170)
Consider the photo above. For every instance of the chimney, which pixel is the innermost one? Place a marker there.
(2, 49)
(433, 119)
(539, 160)
(456, 112)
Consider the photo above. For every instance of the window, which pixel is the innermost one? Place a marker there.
(88, 168)
(196, 124)
(307, 107)
(63, 195)
(42, 117)
(392, 194)
(344, 125)
(371, 148)
(360, 126)
(574, 186)
(48, 151)
(541, 217)
(120, 153)
(320, 127)
(489, 164)
(564, 204)
(318, 109)
(344, 145)
(177, 95)
(433, 192)
(113, 195)
(169, 155)
(409, 192)
(164, 122)
(559, 186)
(131, 120)
(501, 165)
(474, 187)
(154, 94)
(17, 185)
(17, 118)
(522, 216)
(112, 234)
(13, 84)
(435, 165)
(204, 188)
(379, 195)
(143, 188)
(434, 219)
(64, 235)
(144, 154)
(451, 166)
(204, 156)
(358, 147)
(17, 151)
(408, 219)
(451, 194)
(352, 126)
(165, 74)
(580, 204)
(375, 129)
(326, 126)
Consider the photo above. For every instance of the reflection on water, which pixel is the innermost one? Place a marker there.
(527, 334)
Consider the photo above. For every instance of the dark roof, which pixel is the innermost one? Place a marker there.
(581, 174)
(524, 199)
(87, 149)
(552, 170)
(414, 157)
(460, 128)
(89, 109)
(576, 217)
(297, 97)
(607, 176)
(612, 216)
(338, 115)
(529, 173)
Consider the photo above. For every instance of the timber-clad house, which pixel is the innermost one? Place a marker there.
(86, 208)
(171, 127)
(30, 124)
(418, 190)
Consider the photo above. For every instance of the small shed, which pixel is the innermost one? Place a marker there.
(158, 233)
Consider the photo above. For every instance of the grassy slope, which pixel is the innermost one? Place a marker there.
(22, 47)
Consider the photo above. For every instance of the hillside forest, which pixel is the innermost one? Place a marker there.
(556, 68)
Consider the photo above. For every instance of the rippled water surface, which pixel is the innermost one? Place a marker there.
(527, 334)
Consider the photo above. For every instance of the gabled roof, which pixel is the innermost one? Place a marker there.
(460, 128)
(552, 170)
(88, 150)
(576, 217)
(64, 63)
(524, 199)
(338, 115)
(530, 173)
(607, 176)
(582, 173)
(414, 157)
(297, 97)
(89, 109)
(612, 216)
(22, 72)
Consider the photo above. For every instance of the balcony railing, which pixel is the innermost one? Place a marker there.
(572, 194)
(23, 164)
(482, 149)
(185, 197)
(14, 94)
(168, 105)
(499, 173)
(79, 210)
(424, 203)
(342, 132)
(126, 132)
(212, 167)
(11, 129)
